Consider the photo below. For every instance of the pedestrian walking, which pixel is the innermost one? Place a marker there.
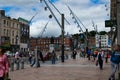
(106, 56)
(30, 58)
(74, 54)
(53, 57)
(115, 60)
(33, 61)
(88, 53)
(95, 54)
(17, 55)
(4, 65)
(100, 58)
(41, 56)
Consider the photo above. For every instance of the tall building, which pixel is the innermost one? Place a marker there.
(14, 33)
(102, 41)
(113, 17)
(91, 42)
(44, 43)
(24, 34)
(113, 12)
(9, 31)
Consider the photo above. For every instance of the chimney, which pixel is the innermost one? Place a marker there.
(2, 12)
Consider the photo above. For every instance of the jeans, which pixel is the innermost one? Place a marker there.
(53, 60)
(114, 68)
(33, 62)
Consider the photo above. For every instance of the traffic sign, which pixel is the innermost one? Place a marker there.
(110, 23)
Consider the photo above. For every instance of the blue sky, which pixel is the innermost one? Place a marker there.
(86, 10)
(53, 0)
(95, 1)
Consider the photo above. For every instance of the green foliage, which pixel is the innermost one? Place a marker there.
(92, 33)
(102, 32)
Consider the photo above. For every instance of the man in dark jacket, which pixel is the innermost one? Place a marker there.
(41, 56)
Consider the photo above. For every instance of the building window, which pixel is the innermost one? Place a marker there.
(13, 24)
(17, 32)
(4, 31)
(12, 33)
(12, 40)
(4, 22)
(7, 23)
(7, 33)
(17, 25)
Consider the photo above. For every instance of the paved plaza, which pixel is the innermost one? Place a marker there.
(79, 69)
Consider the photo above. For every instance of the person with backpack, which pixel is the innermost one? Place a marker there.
(115, 60)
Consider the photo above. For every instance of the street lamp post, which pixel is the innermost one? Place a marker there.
(36, 55)
(62, 37)
(37, 64)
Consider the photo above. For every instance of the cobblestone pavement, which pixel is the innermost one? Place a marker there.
(79, 69)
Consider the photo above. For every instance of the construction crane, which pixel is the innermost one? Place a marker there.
(32, 17)
(43, 30)
(94, 26)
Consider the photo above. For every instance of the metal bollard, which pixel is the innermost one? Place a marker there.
(12, 64)
(22, 64)
(17, 64)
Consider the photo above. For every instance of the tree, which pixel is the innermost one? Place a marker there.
(92, 33)
(102, 32)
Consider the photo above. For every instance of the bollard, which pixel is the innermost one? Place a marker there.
(22, 63)
(17, 64)
(12, 64)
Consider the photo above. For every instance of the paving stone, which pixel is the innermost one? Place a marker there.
(79, 69)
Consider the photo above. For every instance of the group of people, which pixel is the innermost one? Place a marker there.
(51, 56)
(100, 55)
(114, 59)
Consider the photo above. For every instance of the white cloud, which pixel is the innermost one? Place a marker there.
(84, 9)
